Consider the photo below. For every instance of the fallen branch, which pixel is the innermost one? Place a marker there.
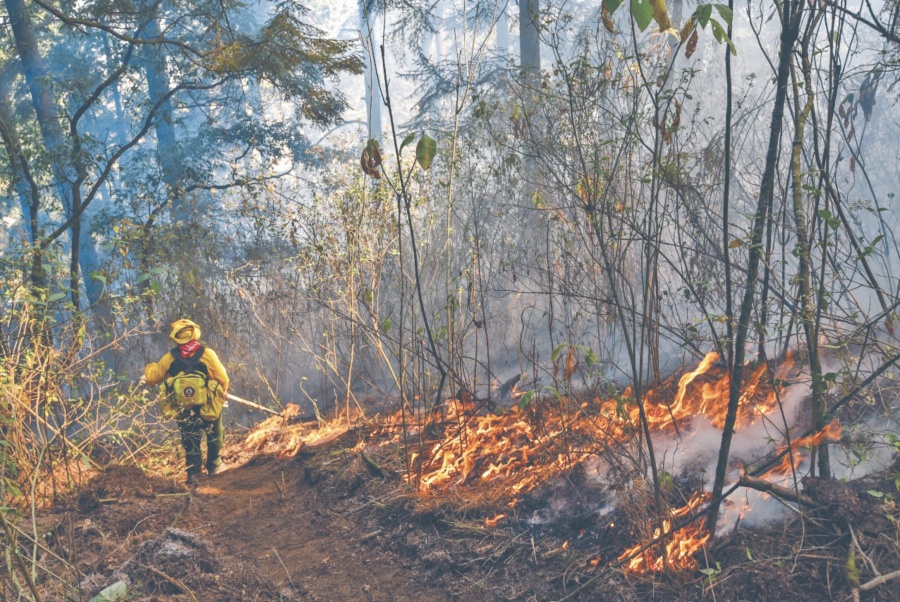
(863, 554)
(178, 584)
(287, 572)
(878, 581)
(770, 487)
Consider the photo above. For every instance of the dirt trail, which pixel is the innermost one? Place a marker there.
(278, 530)
(268, 519)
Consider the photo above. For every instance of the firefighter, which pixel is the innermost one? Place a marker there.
(193, 388)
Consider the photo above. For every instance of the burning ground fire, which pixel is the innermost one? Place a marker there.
(502, 457)
(791, 461)
(494, 460)
(520, 449)
(679, 549)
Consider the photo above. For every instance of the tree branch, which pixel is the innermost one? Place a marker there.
(148, 122)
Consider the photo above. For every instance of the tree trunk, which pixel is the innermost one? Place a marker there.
(117, 97)
(502, 30)
(8, 121)
(154, 62)
(530, 42)
(368, 26)
(44, 102)
(805, 292)
(790, 25)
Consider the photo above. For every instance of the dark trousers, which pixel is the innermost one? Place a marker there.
(193, 428)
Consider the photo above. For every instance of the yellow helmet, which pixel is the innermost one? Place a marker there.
(184, 331)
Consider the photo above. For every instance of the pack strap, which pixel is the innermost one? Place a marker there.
(187, 365)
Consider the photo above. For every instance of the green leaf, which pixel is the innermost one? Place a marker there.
(426, 149)
(642, 11)
(833, 222)
(721, 35)
(525, 400)
(725, 13)
(386, 325)
(703, 13)
(555, 353)
(875, 493)
(612, 5)
(718, 30)
(409, 138)
(819, 383)
(56, 297)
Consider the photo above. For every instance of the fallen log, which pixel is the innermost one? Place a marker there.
(777, 490)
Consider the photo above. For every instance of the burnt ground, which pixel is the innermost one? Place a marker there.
(333, 524)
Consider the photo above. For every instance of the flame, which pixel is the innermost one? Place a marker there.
(492, 522)
(496, 459)
(675, 550)
(515, 451)
(688, 378)
(831, 432)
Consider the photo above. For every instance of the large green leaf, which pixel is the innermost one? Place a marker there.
(642, 11)
(725, 13)
(721, 35)
(703, 13)
(612, 5)
(426, 149)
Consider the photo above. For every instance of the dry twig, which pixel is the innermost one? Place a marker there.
(178, 584)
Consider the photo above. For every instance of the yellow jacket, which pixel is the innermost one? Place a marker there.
(156, 372)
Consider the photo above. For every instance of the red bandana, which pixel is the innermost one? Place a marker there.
(189, 348)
